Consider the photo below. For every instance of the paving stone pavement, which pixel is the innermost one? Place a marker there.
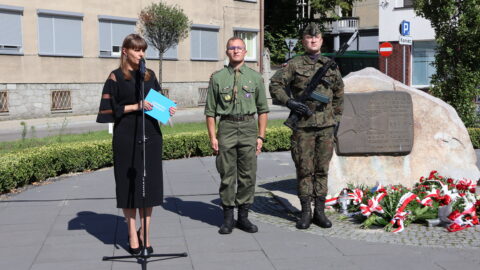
(72, 223)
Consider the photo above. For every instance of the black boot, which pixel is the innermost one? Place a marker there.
(319, 217)
(242, 222)
(306, 215)
(228, 221)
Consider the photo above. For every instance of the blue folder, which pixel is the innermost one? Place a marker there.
(161, 106)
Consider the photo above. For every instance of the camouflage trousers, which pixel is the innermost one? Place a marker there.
(312, 150)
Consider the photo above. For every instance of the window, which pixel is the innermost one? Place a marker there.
(408, 3)
(3, 102)
(112, 31)
(250, 38)
(204, 42)
(170, 54)
(404, 3)
(10, 29)
(423, 56)
(61, 100)
(59, 33)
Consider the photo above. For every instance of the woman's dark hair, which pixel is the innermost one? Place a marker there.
(132, 41)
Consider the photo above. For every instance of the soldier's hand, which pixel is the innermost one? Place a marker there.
(214, 145)
(259, 146)
(298, 107)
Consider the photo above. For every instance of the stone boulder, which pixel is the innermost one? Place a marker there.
(441, 142)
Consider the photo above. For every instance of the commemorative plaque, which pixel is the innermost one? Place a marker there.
(376, 123)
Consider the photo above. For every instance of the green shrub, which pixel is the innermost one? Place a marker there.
(39, 163)
(474, 137)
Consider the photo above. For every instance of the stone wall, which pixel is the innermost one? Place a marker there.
(34, 100)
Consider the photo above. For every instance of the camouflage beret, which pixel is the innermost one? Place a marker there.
(311, 29)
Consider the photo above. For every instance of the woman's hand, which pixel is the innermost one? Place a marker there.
(172, 110)
(148, 106)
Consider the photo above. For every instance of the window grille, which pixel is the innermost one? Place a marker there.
(202, 96)
(3, 101)
(61, 100)
(166, 92)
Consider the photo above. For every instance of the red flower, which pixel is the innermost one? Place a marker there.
(432, 175)
(383, 190)
(450, 180)
(445, 200)
(422, 179)
(472, 190)
(477, 204)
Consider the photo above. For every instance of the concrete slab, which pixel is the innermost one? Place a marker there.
(234, 261)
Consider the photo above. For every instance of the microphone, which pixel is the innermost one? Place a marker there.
(142, 68)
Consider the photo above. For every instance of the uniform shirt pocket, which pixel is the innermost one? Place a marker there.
(302, 78)
(226, 94)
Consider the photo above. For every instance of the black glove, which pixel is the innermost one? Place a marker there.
(298, 107)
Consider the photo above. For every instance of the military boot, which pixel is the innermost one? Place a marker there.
(306, 215)
(242, 222)
(319, 217)
(228, 221)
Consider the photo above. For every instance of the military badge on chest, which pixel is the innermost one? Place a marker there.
(247, 89)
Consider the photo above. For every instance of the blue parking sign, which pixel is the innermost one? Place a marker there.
(405, 28)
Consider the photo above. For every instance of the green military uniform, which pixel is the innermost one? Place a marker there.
(235, 96)
(312, 141)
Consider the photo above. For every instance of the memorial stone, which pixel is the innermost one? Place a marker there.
(376, 123)
(440, 140)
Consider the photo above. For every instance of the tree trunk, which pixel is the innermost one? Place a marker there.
(160, 79)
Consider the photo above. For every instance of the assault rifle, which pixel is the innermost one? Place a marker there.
(317, 78)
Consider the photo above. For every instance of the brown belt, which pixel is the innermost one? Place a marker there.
(237, 118)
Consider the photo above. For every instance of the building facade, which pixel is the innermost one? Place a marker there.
(56, 55)
(410, 64)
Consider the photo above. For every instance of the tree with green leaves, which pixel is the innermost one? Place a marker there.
(282, 21)
(325, 8)
(163, 26)
(457, 59)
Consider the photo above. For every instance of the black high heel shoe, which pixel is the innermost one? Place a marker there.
(149, 249)
(134, 251)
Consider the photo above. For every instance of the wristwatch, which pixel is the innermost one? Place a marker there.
(261, 138)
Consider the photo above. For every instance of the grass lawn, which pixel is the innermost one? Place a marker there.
(13, 146)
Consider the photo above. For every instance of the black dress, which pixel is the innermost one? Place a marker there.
(127, 141)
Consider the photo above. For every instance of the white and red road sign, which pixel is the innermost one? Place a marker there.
(385, 49)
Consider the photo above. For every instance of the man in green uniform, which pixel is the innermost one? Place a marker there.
(312, 140)
(236, 93)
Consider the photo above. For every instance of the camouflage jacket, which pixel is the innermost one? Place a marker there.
(297, 74)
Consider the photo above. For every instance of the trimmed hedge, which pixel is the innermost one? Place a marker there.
(474, 137)
(39, 163)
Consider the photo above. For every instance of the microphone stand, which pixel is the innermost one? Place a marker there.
(144, 256)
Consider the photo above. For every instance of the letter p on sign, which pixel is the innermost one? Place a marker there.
(405, 28)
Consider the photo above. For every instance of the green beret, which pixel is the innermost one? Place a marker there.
(311, 29)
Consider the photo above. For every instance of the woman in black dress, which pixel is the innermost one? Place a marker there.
(121, 104)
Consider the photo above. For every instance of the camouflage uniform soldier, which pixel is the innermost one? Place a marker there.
(312, 141)
(236, 93)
